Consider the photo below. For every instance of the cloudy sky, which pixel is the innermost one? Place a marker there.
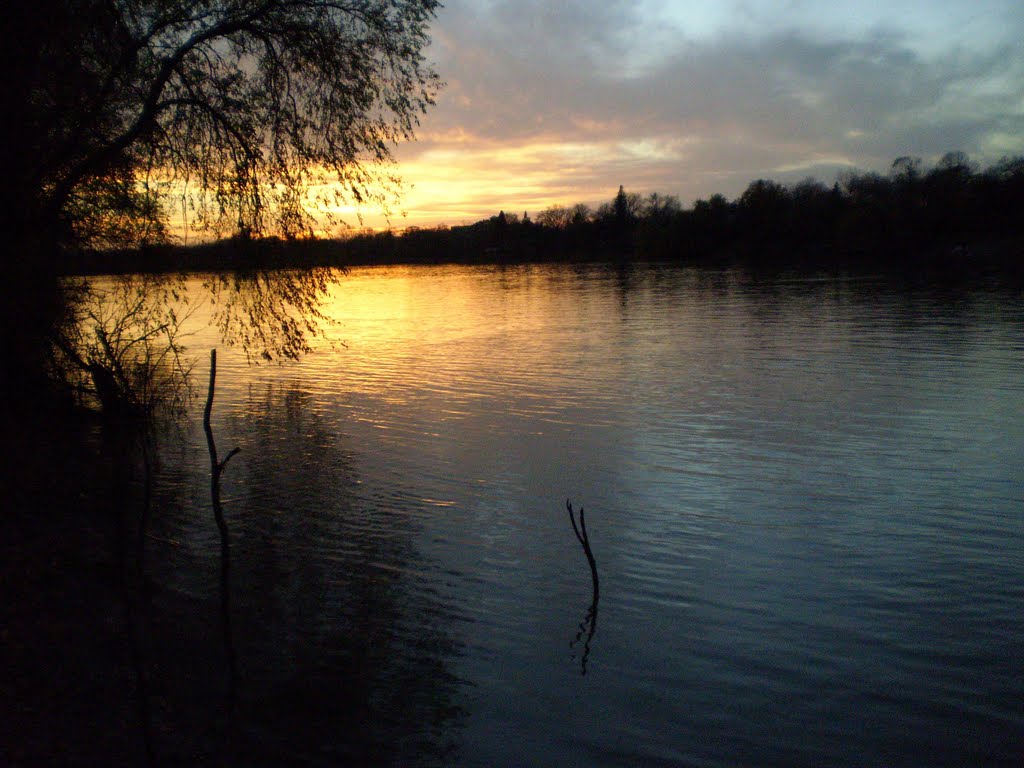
(557, 102)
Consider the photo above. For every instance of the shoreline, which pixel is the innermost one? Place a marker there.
(1002, 254)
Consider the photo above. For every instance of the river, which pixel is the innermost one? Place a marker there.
(804, 496)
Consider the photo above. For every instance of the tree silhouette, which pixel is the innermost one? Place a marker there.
(624, 209)
(661, 208)
(239, 106)
(950, 217)
(556, 217)
(620, 207)
(232, 111)
(906, 169)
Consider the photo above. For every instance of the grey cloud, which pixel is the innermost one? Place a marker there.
(531, 71)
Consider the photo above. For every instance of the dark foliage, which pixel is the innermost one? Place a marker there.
(232, 113)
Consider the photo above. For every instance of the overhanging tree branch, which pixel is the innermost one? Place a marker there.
(335, 83)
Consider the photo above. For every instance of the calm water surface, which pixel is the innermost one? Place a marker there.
(805, 499)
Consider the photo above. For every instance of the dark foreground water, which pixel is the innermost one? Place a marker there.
(805, 498)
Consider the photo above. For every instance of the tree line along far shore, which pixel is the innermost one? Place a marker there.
(952, 213)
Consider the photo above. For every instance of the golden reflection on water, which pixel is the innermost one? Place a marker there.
(451, 303)
(445, 330)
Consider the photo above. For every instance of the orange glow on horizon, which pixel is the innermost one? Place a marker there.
(453, 183)
(456, 179)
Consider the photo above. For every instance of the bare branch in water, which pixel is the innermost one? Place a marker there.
(588, 626)
(584, 540)
(216, 468)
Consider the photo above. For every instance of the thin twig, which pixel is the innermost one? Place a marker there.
(581, 535)
(588, 626)
(216, 468)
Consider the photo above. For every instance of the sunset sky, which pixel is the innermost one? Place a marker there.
(556, 103)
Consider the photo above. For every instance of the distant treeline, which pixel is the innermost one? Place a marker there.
(950, 215)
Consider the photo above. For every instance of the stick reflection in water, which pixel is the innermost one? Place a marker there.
(216, 469)
(588, 626)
